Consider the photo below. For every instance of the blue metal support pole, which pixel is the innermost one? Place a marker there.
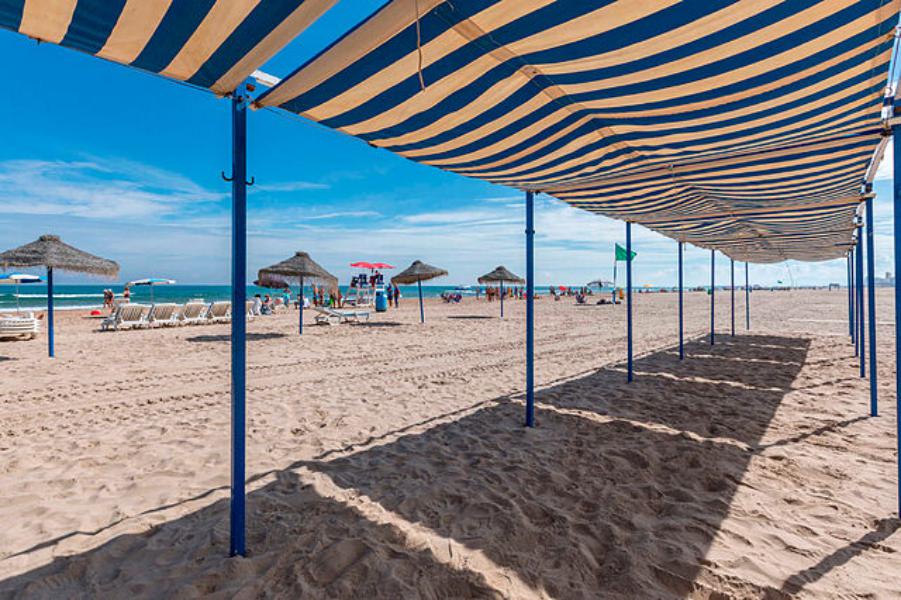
(300, 308)
(712, 295)
(747, 300)
(530, 309)
(850, 301)
(240, 100)
(50, 312)
(732, 291)
(896, 189)
(681, 309)
(871, 307)
(854, 337)
(421, 310)
(861, 333)
(629, 373)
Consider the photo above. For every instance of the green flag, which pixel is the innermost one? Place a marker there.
(621, 253)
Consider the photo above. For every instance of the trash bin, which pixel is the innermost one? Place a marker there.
(381, 301)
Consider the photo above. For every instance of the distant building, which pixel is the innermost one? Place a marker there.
(887, 281)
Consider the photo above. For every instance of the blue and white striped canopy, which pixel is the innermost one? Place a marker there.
(742, 126)
(213, 44)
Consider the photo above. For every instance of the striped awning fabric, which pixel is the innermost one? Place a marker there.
(213, 44)
(742, 126)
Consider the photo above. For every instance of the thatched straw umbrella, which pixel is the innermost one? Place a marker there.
(418, 272)
(48, 251)
(500, 275)
(300, 267)
(273, 283)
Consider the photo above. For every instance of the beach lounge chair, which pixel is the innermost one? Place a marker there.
(15, 327)
(126, 316)
(332, 316)
(194, 313)
(162, 315)
(220, 312)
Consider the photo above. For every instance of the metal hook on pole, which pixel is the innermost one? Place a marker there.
(251, 182)
(224, 178)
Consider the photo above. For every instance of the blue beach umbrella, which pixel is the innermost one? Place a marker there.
(151, 281)
(17, 279)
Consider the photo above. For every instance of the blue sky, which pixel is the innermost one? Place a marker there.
(126, 165)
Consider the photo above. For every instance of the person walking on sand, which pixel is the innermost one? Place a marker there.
(396, 295)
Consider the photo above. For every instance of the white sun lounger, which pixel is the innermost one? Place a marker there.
(27, 327)
(332, 316)
(249, 306)
(194, 312)
(163, 315)
(220, 312)
(126, 316)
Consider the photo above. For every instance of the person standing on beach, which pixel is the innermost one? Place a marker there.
(389, 292)
(126, 295)
(396, 295)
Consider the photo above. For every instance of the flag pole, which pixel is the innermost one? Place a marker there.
(614, 273)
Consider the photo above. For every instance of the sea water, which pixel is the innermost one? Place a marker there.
(83, 297)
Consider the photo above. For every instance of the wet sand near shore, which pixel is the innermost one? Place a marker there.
(388, 459)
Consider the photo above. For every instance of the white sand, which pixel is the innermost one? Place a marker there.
(389, 460)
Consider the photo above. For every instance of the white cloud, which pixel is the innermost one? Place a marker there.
(157, 222)
(289, 186)
(349, 214)
(490, 214)
(108, 190)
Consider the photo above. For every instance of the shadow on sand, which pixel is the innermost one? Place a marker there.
(610, 496)
(882, 530)
(251, 337)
